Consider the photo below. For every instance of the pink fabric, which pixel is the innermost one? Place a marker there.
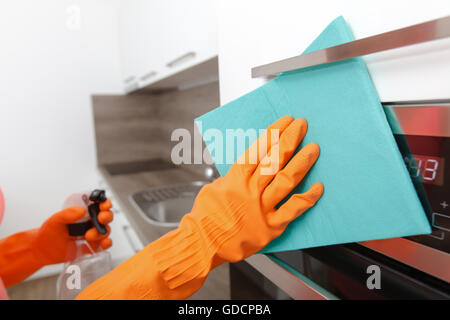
(2, 205)
(3, 294)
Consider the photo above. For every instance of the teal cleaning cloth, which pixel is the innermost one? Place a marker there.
(368, 191)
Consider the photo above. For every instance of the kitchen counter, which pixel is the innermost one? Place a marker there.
(123, 185)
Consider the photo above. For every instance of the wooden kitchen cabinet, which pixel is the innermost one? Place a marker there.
(256, 32)
(162, 37)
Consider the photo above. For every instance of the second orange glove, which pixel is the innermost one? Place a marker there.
(24, 253)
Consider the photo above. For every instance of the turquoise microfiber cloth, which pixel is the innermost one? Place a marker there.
(368, 190)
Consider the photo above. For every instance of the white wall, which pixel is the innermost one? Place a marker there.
(256, 32)
(48, 69)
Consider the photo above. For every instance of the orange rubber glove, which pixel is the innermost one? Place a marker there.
(24, 253)
(232, 218)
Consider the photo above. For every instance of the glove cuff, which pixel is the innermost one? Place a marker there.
(183, 256)
(18, 257)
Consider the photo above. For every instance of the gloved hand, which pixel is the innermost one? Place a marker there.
(232, 218)
(24, 253)
(236, 215)
(52, 238)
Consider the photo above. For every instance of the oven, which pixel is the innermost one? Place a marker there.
(415, 267)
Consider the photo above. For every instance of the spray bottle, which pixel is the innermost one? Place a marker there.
(83, 264)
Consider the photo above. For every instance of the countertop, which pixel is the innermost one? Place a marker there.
(123, 185)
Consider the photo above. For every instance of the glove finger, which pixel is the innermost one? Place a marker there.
(93, 245)
(295, 206)
(69, 215)
(105, 205)
(106, 243)
(290, 176)
(280, 153)
(105, 217)
(93, 235)
(249, 160)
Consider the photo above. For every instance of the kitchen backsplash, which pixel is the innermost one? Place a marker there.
(138, 127)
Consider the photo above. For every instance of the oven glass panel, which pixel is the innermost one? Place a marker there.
(427, 160)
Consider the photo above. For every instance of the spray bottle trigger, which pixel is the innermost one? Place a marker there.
(97, 196)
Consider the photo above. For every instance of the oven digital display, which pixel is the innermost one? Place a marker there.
(430, 169)
(427, 160)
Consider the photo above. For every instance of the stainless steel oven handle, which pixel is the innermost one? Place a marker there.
(416, 255)
(418, 33)
(293, 286)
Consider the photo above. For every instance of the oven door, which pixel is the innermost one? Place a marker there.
(407, 268)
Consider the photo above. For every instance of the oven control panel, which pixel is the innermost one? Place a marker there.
(422, 135)
(426, 161)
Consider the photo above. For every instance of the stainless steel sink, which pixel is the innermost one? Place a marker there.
(165, 206)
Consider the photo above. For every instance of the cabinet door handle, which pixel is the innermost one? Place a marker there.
(131, 84)
(126, 231)
(149, 75)
(129, 80)
(181, 59)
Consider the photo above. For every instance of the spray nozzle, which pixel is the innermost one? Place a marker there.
(93, 207)
(98, 196)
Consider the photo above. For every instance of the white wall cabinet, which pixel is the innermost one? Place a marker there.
(255, 32)
(160, 38)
